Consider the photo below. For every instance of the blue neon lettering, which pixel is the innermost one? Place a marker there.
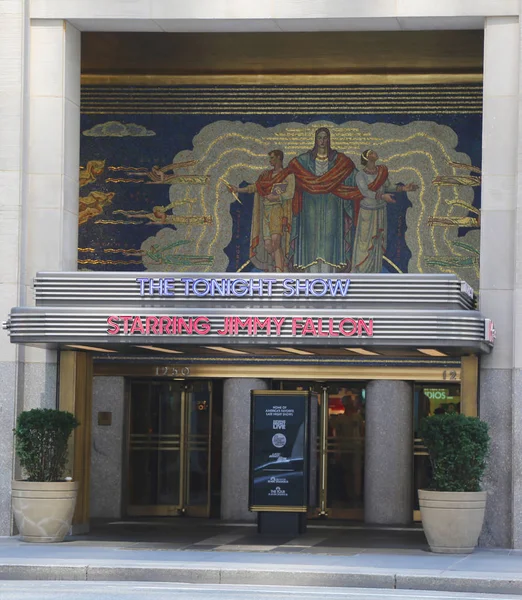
(187, 283)
(168, 286)
(217, 287)
(199, 292)
(205, 286)
(288, 287)
(155, 286)
(321, 282)
(142, 281)
(339, 287)
(269, 283)
(302, 286)
(243, 287)
(255, 285)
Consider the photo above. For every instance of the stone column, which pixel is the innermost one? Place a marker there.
(388, 465)
(50, 204)
(13, 126)
(236, 448)
(497, 266)
(107, 448)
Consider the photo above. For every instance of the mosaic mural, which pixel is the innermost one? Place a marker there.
(345, 179)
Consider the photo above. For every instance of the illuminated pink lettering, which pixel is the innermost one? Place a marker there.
(343, 330)
(266, 324)
(331, 331)
(296, 322)
(320, 331)
(368, 327)
(183, 325)
(309, 327)
(152, 325)
(112, 323)
(137, 325)
(246, 324)
(165, 325)
(279, 323)
(227, 326)
(126, 320)
(201, 326)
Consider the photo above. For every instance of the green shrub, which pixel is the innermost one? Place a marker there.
(41, 442)
(458, 447)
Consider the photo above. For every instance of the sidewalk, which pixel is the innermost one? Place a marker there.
(189, 552)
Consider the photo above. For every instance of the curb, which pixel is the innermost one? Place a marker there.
(492, 583)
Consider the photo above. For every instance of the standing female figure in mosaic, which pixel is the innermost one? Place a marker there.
(371, 233)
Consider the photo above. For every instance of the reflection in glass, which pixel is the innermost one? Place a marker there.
(429, 399)
(346, 429)
(199, 426)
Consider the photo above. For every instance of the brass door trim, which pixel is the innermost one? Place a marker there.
(183, 463)
(323, 454)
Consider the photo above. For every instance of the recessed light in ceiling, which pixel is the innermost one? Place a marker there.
(91, 348)
(158, 349)
(226, 350)
(296, 351)
(363, 351)
(431, 352)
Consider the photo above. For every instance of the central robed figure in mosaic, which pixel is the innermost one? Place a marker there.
(325, 207)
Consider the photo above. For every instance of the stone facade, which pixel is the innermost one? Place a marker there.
(39, 128)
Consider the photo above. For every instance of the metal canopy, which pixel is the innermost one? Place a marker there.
(122, 310)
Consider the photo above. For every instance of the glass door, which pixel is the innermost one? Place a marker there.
(340, 447)
(429, 399)
(197, 442)
(169, 448)
(345, 437)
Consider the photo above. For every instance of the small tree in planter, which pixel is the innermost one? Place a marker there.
(43, 504)
(452, 510)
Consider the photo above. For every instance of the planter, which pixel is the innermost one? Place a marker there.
(452, 521)
(43, 511)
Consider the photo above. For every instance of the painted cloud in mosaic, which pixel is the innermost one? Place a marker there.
(281, 193)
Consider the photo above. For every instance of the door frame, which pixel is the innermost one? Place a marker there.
(166, 510)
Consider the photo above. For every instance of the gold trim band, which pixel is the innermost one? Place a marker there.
(300, 80)
(304, 372)
(284, 509)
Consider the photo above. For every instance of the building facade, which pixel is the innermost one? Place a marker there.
(341, 167)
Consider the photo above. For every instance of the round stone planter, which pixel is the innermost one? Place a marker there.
(43, 511)
(452, 521)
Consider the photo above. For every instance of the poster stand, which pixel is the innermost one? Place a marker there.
(283, 460)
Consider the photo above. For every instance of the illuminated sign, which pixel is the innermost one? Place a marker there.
(251, 326)
(237, 287)
(436, 394)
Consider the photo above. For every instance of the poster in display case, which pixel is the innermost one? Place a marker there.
(283, 455)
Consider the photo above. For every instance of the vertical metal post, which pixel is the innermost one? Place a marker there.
(183, 448)
(323, 453)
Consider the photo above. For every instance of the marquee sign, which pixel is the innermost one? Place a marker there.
(231, 287)
(411, 310)
(87, 288)
(234, 326)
